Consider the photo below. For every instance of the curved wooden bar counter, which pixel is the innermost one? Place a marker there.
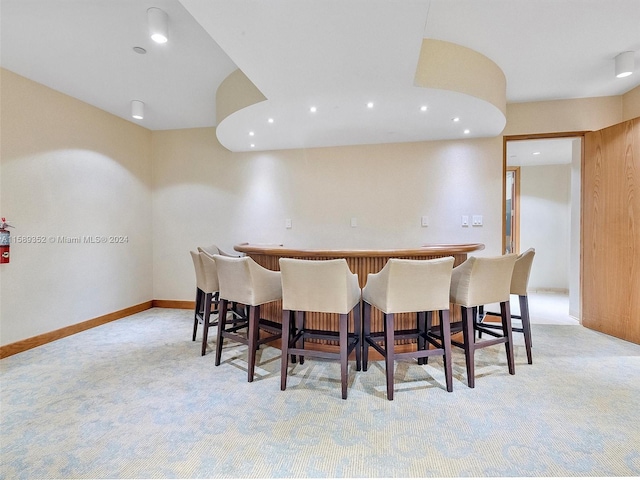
(361, 262)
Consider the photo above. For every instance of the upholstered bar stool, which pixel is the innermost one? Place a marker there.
(325, 286)
(405, 286)
(479, 281)
(206, 296)
(243, 281)
(519, 286)
(238, 314)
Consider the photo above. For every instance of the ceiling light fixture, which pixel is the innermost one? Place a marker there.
(251, 134)
(313, 109)
(455, 119)
(370, 105)
(423, 108)
(158, 21)
(467, 131)
(270, 120)
(624, 64)
(137, 109)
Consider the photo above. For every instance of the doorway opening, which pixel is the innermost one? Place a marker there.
(542, 210)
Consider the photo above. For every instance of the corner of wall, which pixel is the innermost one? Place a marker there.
(631, 104)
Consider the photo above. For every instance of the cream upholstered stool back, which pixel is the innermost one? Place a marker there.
(206, 295)
(318, 285)
(243, 281)
(410, 285)
(482, 280)
(326, 286)
(522, 272)
(479, 281)
(404, 286)
(519, 286)
(212, 250)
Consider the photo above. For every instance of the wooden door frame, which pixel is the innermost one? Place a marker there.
(515, 206)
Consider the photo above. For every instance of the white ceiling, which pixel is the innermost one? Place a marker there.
(547, 151)
(338, 54)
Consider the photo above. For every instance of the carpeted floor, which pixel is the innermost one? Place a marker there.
(134, 399)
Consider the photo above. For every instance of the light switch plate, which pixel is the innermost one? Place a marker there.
(354, 222)
(465, 220)
(477, 220)
(287, 223)
(424, 221)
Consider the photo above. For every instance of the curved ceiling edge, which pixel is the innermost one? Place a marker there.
(448, 66)
(235, 93)
(455, 93)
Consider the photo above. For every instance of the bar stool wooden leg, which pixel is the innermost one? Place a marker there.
(505, 313)
(344, 364)
(222, 322)
(286, 338)
(366, 327)
(422, 328)
(206, 314)
(357, 327)
(389, 345)
(469, 344)
(196, 312)
(526, 326)
(300, 318)
(445, 341)
(252, 340)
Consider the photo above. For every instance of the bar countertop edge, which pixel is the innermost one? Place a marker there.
(424, 250)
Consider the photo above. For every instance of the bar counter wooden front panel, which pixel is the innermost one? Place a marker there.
(361, 262)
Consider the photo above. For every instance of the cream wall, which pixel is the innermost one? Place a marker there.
(576, 222)
(205, 194)
(70, 170)
(574, 115)
(545, 203)
(631, 104)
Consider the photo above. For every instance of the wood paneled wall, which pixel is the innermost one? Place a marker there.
(611, 231)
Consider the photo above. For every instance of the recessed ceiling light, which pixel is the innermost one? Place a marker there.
(139, 50)
(423, 108)
(313, 109)
(270, 120)
(467, 131)
(253, 145)
(251, 134)
(536, 153)
(455, 119)
(370, 105)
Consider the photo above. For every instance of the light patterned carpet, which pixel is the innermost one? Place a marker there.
(134, 399)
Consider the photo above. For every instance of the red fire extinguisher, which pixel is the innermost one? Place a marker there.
(5, 241)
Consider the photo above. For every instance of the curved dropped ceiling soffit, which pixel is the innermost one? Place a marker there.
(453, 81)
